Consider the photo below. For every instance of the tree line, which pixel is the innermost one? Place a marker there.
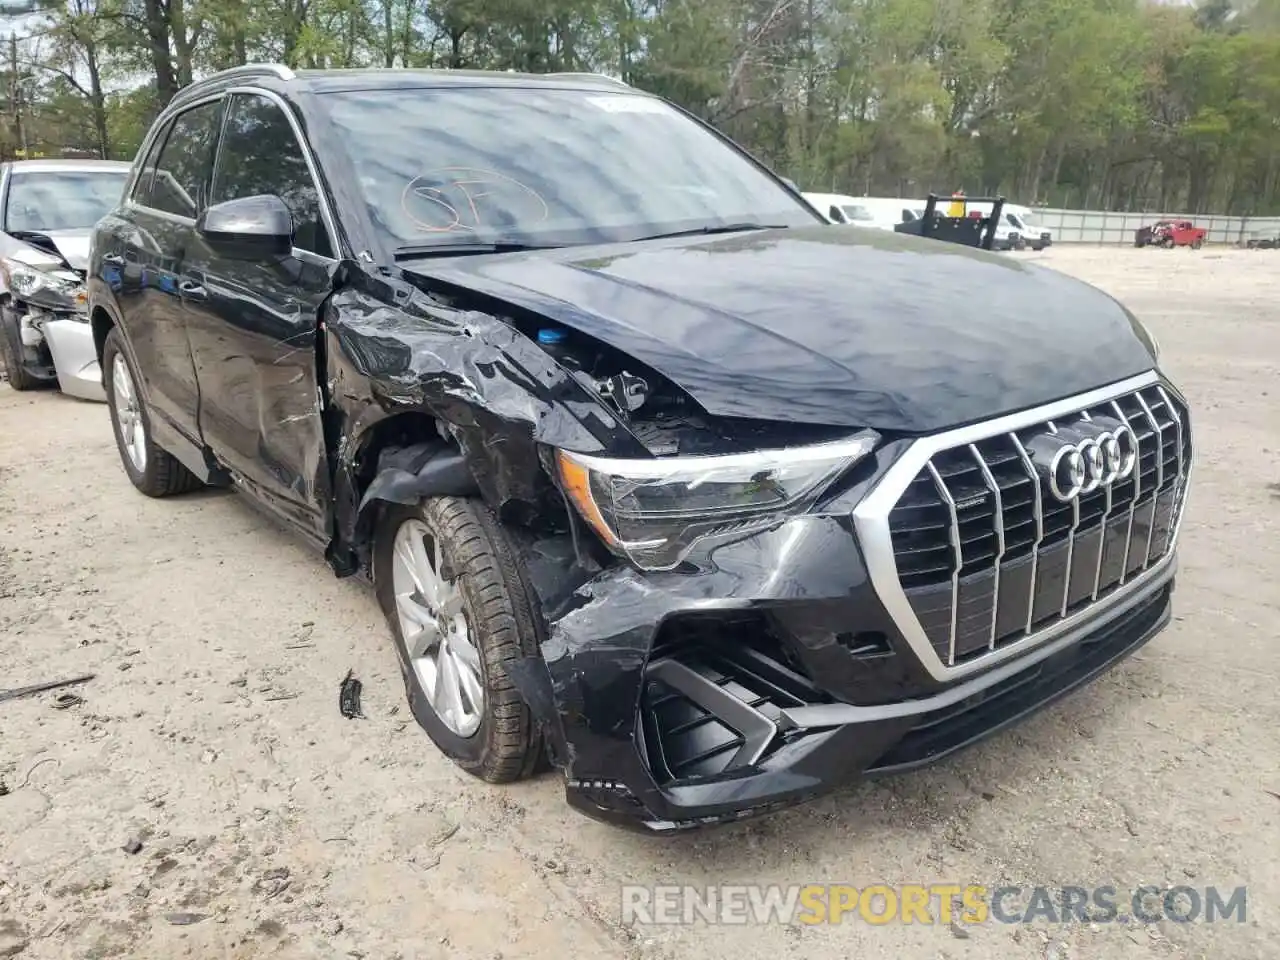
(1110, 104)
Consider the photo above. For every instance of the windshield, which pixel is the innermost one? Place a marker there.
(1029, 219)
(61, 199)
(546, 166)
(856, 213)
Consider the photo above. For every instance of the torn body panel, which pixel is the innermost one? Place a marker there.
(427, 374)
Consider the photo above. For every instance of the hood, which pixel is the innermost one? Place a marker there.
(73, 245)
(839, 326)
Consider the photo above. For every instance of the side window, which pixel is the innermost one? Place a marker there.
(142, 186)
(180, 183)
(260, 155)
(1012, 221)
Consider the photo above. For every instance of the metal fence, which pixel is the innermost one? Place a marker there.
(1097, 226)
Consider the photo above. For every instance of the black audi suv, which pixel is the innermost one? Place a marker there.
(653, 473)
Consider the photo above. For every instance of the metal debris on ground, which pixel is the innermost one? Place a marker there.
(302, 639)
(65, 701)
(19, 692)
(349, 697)
(132, 845)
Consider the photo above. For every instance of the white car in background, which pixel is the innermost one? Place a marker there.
(47, 209)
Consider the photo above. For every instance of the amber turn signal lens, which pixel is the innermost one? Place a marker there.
(575, 479)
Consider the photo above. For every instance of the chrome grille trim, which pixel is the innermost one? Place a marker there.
(1102, 523)
(1037, 508)
(872, 522)
(1137, 491)
(958, 547)
(997, 523)
(1178, 439)
(1071, 549)
(1155, 495)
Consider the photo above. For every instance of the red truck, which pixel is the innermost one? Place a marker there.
(1170, 233)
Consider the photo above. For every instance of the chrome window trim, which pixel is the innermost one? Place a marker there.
(313, 167)
(871, 521)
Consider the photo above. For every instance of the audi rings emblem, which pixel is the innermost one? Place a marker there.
(1082, 466)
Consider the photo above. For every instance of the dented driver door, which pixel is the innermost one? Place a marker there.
(253, 324)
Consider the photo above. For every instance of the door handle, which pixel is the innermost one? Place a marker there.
(192, 290)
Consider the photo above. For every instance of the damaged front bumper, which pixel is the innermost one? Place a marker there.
(59, 346)
(676, 701)
(75, 358)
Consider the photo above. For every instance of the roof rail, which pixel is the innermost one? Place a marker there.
(246, 72)
(589, 76)
(253, 70)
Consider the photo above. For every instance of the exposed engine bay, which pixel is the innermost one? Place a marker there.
(660, 414)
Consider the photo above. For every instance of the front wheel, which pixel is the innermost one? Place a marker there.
(459, 608)
(11, 353)
(1197, 244)
(153, 470)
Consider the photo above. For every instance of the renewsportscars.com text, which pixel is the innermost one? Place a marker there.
(938, 903)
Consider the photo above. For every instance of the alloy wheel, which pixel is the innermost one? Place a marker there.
(128, 413)
(436, 633)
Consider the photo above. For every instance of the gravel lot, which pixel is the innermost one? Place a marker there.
(211, 733)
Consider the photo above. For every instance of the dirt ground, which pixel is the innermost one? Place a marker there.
(271, 826)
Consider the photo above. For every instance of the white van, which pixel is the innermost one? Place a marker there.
(839, 208)
(1027, 221)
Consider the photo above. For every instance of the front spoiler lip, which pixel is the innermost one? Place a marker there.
(684, 806)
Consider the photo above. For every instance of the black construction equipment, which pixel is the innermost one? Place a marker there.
(970, 230)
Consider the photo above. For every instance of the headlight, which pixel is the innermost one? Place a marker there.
(26, 281)
(653, 511)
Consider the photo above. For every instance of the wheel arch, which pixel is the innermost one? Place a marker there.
(401, 458)
(102, 322)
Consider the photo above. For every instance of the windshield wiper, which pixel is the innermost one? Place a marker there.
(708, 231)
(449, 248)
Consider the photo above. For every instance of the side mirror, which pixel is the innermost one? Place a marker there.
(250, 228)
(791, 184)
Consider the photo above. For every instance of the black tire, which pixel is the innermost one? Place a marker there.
(501, 616)
(164, 475)
(1197, 244)
(11, 353)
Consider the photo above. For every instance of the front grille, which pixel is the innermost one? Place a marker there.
(987, 555)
